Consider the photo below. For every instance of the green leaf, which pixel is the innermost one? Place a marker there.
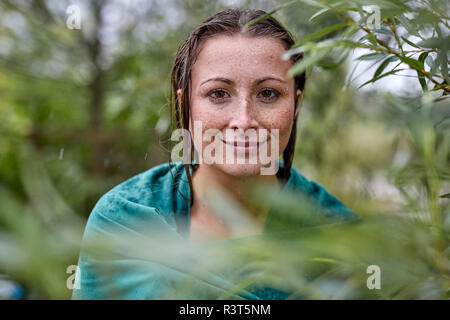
(383, 65)
(412, 63)
(408, 25)
(410, 43)
(337, 63)
(351, 30)
(422, 81)
(307, 62)
(352, 44)
(421, 77)
(269, 13)
(435, 43)
(371, 56)
(314, 3)
(320, 33)
(364, 37)
(431, 62)
(318, 13)
(327, 45)
(441, 98)
(442, 60)
(383, 30)
(447, 195)
(379, 77)
(422, 57)
(372, 39)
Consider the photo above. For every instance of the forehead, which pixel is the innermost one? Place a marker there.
(240, 56)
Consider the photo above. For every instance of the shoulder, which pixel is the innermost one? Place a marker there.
(143, 199)
(132, 216)
(146, 186)
(328, 204)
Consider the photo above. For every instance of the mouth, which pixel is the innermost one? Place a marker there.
(244, 144)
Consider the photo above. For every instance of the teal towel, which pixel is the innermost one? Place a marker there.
(143, 217)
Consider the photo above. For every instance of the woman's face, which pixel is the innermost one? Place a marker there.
(239, 83)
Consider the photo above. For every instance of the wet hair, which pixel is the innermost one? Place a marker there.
(228, 22)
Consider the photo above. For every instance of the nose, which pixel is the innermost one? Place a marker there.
(243, 116)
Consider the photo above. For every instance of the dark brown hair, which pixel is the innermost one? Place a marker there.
(230, 22)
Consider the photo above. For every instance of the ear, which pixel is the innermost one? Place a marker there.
(179, 92)
(299, 96)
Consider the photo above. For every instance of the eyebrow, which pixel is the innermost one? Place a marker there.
(228, 81)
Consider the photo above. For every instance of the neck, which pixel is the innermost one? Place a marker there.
(207, 177)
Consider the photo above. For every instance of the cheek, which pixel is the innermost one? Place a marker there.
(282, 120)
(208, 117)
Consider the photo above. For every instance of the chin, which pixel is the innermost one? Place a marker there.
(240, 169)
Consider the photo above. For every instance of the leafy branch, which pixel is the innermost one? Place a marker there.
(396, 25)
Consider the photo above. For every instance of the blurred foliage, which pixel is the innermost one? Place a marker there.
(83, 110)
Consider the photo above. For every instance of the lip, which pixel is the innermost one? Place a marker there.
(244, 146)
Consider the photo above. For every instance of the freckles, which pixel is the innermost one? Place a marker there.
(209, 119)
(280, 120)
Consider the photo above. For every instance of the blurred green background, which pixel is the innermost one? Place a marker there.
(84, 109)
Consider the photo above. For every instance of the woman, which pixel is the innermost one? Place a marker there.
(232, 81)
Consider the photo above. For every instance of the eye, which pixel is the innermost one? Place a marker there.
(269, 94)
(218, 95)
